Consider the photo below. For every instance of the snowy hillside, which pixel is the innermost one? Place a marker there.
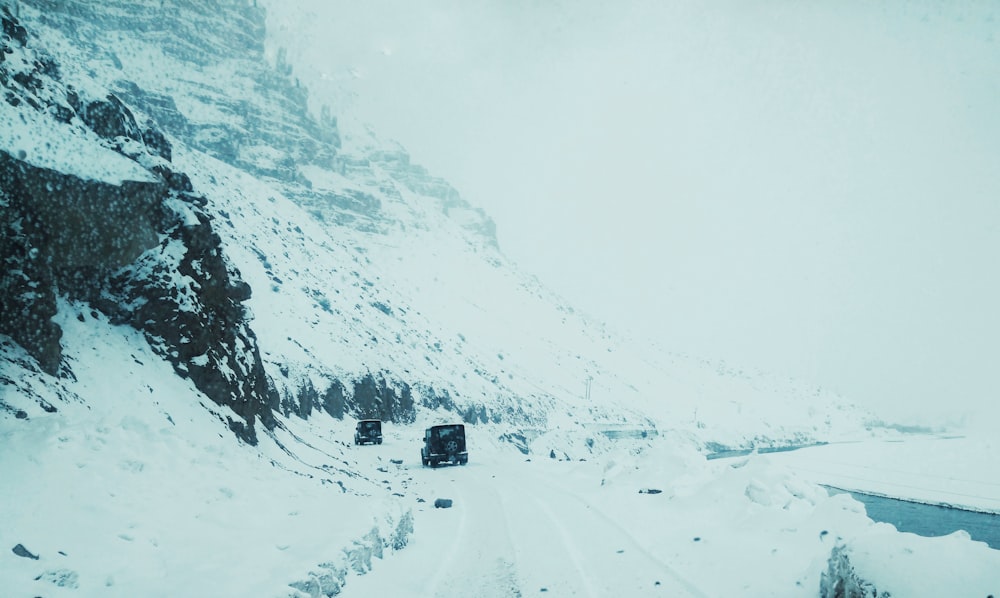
(374, 287)
(203, 289)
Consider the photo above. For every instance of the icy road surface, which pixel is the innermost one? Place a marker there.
(591, 528)
(514, 531)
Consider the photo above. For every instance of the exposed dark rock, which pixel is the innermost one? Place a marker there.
(434, 399)
(109, 118)
(442, 503)
(27, 297)
(334, 401)
(376, 399)
(308, 399)
(840, 580)
(161, 107)
(83, 222)
(517, 439)
(55, 224)
(13, 29)
(474, 414)
(157, 143)
(187, 299)
(57, 227)
(118, 246)
(177, 181)
(21, 551)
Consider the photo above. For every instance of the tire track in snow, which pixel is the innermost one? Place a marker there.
(571, 550)
(554, 555)
(447, 564)
(462, 551)
(513, 533)
(480, 561)
(589, 512)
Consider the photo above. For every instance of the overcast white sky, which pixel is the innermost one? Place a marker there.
(811, 188)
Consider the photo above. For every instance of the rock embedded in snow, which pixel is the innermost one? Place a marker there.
(442, 503)
(63, 578)
(841, 580)
(21, 551)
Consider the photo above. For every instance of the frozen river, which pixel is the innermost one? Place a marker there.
(932, 475)
(930, 520)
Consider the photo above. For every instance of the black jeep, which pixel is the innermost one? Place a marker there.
(368, 430)
(444, 444)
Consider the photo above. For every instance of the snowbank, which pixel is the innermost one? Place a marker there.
(140, 492)
(941, 470)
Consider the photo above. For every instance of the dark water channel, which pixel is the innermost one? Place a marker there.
(929, 520)
(907, 516)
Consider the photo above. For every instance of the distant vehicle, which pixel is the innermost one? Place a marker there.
(444, 444)
(368, 430)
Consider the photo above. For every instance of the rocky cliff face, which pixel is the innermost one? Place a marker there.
(135, 240)
(117, 227)
(239, 126)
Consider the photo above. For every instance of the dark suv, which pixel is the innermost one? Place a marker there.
(368, 430)
(444, 444)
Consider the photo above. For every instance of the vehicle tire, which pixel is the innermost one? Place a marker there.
(451, 447)
(434, 463)
(464, 461)
(379, 441)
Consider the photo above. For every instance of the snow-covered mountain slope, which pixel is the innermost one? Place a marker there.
(376, 289)
(189, 253)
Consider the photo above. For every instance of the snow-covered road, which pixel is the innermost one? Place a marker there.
(153, 513)
(541, 526)
(514, 531)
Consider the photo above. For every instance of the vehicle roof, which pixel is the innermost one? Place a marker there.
(447, 426)
(369, 420)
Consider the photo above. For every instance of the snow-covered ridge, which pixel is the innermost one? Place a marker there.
(286, 287)
(369, 276)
